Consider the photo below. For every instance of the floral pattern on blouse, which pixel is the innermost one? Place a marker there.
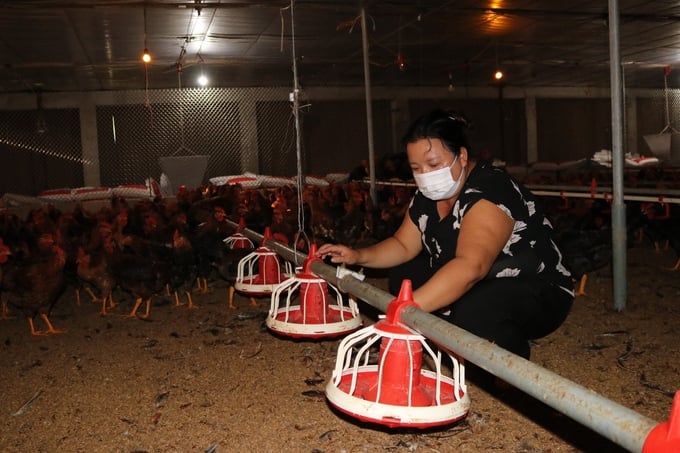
(530, 249)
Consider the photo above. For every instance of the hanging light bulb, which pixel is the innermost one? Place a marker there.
(401, 61)
(146, 56)
(498, 74)
(202, 79)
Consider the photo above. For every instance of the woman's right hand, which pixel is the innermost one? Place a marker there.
(338, 253)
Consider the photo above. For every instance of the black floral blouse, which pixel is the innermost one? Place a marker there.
(530, 250)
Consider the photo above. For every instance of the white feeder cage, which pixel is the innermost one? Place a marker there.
(259, 272)
(238, 240)
(307, 306)
(390, 387)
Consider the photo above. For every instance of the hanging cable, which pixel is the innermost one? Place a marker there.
(669, 127)
(147, 59)
(298, 145)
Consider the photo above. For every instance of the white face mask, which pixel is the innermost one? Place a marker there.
(438, 184)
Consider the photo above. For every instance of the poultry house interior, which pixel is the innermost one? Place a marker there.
(123, 328)
(195, 331)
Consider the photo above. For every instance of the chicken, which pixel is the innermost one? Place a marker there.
(355, 226)
(207, 241)
(226, 265)
(666, 229)
(585, 239)
(657, 221)
(584, 252)
(674, 243)
(321, 217)
(93, 269)
(72, 233)
(183, 269)
(141, 276)
(5, 252)
(35, 285)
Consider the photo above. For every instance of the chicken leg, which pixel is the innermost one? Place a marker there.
(232, 290)
(233, 306)
(50, 328)
(178, 303)
(190, 300)
(581, 291)
(87, 290)
(191, 303)
(5, 311)
(133, 312)
(202, 285)
(108, 300)
(148, 309)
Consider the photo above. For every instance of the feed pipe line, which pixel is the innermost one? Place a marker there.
(617, 423)
(605, 193)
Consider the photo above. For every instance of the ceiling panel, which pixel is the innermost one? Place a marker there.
(83, 45)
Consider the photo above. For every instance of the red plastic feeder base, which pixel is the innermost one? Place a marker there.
(256, 286)
(449, 410)
(292, 323)
(393, 389)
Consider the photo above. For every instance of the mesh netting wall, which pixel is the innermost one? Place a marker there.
(253, 130)
(218, 123)
(239, 130)
(39, 150)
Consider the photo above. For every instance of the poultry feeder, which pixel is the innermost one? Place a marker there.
(666, 144)
(238, 240)
(259, 272)
(390, 388)
(308, 311)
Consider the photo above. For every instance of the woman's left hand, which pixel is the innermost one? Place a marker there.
(338, 253)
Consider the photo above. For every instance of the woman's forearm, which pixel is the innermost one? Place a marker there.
(387, 253)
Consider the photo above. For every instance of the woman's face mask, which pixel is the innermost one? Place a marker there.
(438, 184)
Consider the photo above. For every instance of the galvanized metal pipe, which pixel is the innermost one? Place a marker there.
(602, 193)
(618, 208)
(617, 423)
(369, 106)
(606, 196)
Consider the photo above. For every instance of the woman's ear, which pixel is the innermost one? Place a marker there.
(463, 156)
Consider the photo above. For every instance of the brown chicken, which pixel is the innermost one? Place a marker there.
(226, 265)
(140, 276)
(35, 285)
(5, 252)
(183, 268)
(93, 270)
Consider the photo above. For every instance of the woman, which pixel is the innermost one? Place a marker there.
(491, 265)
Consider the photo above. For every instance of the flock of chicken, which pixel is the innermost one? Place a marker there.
(142, 249)
(584, 234)
(150, 247)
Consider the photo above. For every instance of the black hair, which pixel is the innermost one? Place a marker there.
(449, 126)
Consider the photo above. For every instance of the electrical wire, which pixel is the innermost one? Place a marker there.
(298, 144)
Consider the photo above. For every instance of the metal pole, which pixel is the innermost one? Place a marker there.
(617, 423)
(369, 108)
(618, 207)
